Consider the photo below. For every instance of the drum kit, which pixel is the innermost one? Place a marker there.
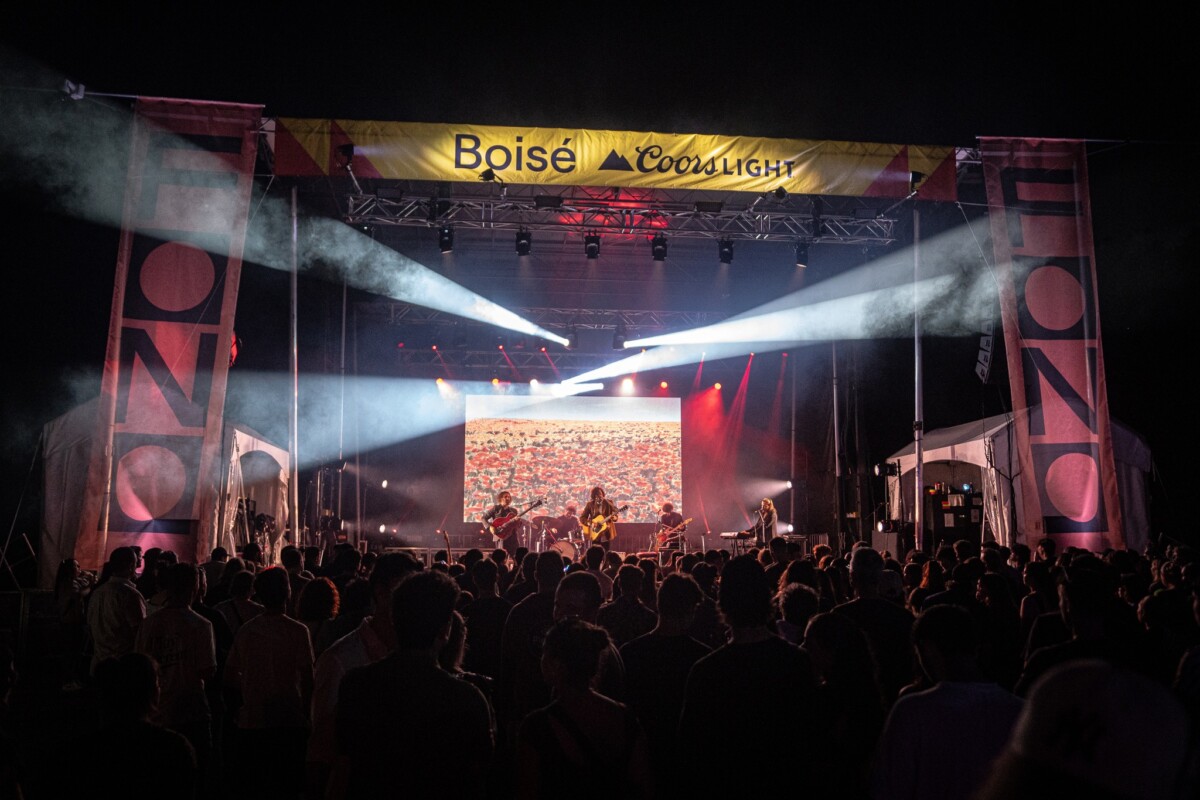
(539, 535)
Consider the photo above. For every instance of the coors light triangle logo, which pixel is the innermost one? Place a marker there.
(616, 161)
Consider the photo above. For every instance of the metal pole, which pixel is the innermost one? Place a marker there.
(919, 411)
(837, 462)
(342, 409)
(792, 459)
(858, 471)
(360, 490)
(294, 444)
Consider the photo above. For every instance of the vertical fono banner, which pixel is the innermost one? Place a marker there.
(1042, 235)
(155, 478)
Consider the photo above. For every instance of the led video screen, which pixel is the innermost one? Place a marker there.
(557, 449)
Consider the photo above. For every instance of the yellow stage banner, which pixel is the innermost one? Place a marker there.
(625, 159)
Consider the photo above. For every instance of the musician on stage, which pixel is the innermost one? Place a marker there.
(599, 506)
(763, 529)
(670, 528)
(496, 516)
(566, 526)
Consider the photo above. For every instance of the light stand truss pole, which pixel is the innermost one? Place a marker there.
(294, 443)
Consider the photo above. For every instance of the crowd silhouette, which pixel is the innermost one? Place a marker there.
(977, 671)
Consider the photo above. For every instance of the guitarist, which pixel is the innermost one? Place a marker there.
(670, 528)
(496, 516)
(600, 506)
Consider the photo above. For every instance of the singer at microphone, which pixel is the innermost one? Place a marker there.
(763, 529)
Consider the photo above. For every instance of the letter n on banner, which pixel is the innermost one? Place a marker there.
(154, 479)
(1042, 235)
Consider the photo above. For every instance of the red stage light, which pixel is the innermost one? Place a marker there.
(435, 347)
(716, 386)
(662, 385)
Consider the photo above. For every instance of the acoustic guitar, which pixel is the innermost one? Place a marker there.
(601, 525)
(503, 527)
(668, 535)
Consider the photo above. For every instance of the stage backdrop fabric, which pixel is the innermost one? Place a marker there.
(1041, 225)
(154, 479)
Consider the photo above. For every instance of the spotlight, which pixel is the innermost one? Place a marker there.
(887, 468)
(547, 201)
(708, 206)
(572, 338)
(801, 254)
(725, 251)
(780, 193)
(658, 247)
(618, 342)
(914, 178)
(446, 238)
(524, 242)
(591, 245)
(489, 175)
(73, 90)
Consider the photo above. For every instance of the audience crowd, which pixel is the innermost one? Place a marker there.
(973, 671)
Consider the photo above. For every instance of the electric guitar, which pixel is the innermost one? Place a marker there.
(668, 535)
(601, 524)
(503, 527)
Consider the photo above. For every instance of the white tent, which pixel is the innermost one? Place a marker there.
(254, 469)
(983, 453)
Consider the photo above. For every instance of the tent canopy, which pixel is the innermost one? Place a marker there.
(254, 469)
(988, 445)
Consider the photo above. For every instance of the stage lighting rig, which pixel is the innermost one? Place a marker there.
(524, 242)
(591, 245)
(725, 251)
(489, 176)
(658, 247)
(619, 336)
